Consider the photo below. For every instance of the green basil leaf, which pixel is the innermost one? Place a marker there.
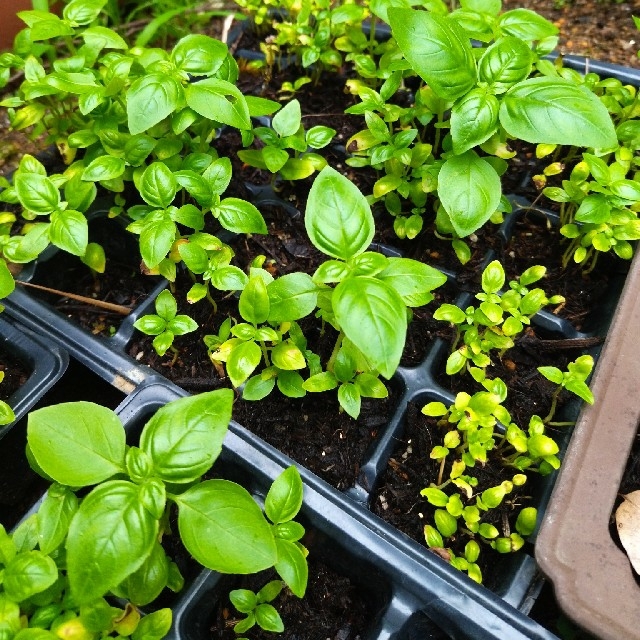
(412, 280)
(437, 49)
(104, 168)
(254, 301)
(474, 119)
(274, 158)
(268, 618)
(82, 11)
(153, 626)
(156, 239)
(151, 99)
(556, 111)
(284, 497)
(291, 297)
(287, 121)
(98, 38)
(199, 55)
(319, 137)
(470, 190)
(158, 185)
(69, 231)
(526, 25)
(223, 528)
(145, 584)
(338, 218)
(27, 574)
(256, 388)
(242, 362)
(291, 566)
(37, 193)
(7, 283)
(220, 101)
(110, 537)
(82, 431)
(183, 454)
(261, 106)
(218, 175)
(239, 216)
(373, 317)
(229, 278)
(595, 208)
(54, 517)
(506, 62)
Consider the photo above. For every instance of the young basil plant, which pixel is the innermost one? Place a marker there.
(112, 538)
(287, 133)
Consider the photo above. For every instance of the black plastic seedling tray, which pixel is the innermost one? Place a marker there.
(417, 595)
(45, 360)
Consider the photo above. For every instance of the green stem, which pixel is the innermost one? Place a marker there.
(212, 301)
(265, 353)
(372, 34)
(554, 403)
(334, 353)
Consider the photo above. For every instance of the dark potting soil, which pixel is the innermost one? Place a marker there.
(16, 373)
(333, 608)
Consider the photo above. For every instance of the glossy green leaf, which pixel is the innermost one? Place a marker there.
(156, 239)
(27, 574)
(110, 537)
(37, 193)
(287, 121)
(373, 316)
(69, 231)
(239, 216)
(242, 362)
(158, 185)
(54, 516)
(223, 528)
(412, 280)
(338, 218)
(284, 497)
(104, 168)
(258, 388)
(254, 303)
(526, 25)
(291, 566)
(199, 54)
(219, 101)
(556, 111)
(506, 62)
(437, 49)
(153, 626)
(350, 399)
(474, 119)
(469, 189)
(184, 438)
(145, 584)
(151, 99)
(291, 297)
(81, 431)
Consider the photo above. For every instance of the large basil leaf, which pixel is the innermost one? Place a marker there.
(469, 190)
(338, 218)
(474, 119)
(412, 280)
(373, 316)
(220, 101)
(81, 431)
(156, 238)
(27, 574)
(291, 297)
(158, 185)
(556, 111)
(110, 537)
(254, 301)
(239, 216)
(224, 529)
(37, 193)
(526, 25)
(242, 362)
(199, 54)
(151, 99)
(292, 566)
(104, 168)
(437, 49)
(507, 61)
(184, 437)
(69, 231)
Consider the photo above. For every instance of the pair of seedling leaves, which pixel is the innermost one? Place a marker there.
(112, 535)
(489, 97)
